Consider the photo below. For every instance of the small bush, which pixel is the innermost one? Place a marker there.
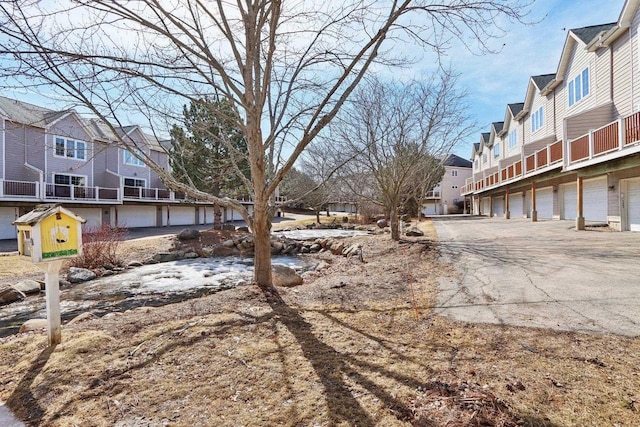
(99, 247)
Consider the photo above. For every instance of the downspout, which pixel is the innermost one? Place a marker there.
(33, 168)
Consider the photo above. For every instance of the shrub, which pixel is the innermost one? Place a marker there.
(99, 247)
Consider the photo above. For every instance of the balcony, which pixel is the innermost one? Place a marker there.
(433, 194)
(614, 140)
(80, 193)
(148, 194)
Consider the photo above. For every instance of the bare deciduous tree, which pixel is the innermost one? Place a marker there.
(398, 134)
(287, 67)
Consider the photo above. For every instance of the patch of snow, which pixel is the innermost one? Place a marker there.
(312, 234)
(7, 419)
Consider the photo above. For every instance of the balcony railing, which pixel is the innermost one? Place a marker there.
(20, 189)
(435, 194)
(144, 193)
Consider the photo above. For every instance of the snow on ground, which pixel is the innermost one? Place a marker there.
(7, 419)
(313, 234)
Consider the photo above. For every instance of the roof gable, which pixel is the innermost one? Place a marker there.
(456, 161)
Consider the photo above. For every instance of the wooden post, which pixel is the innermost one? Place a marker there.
(580, 216)
(490, 206)
(507, 214)
(534, 212)
(52, 292)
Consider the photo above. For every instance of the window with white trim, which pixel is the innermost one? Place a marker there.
(484, 157)
(537, 120)
(496, 151)
(454, 173)
(579, 87)
(134, 182)
(454, 187)
(513, 138)
(70, 148)
(130, 159)
(77, 180)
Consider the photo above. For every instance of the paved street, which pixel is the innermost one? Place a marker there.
(541, 274)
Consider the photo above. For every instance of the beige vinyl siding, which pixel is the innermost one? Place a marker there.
(70, 128)
(601, 79)
(622, 79)
(590, 120)
(635, 61)
(578, 61)
(23, 143)
(547, 127)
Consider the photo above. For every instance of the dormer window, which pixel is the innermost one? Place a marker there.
(513, 138)
(579, 87)
(130, 159)
(70, 148)
(537, 120)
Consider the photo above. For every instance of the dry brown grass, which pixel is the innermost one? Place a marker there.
(342, 350)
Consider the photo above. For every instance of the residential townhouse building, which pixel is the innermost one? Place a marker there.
(577, 153)
(444, 197)
(49, 156)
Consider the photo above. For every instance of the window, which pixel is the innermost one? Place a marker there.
(455, 187)
(484, 157)
(475, 163)
(65, 147)
(454, 173)
(537, 120)
(69, 180)
(130, 159)
(133, 182)
(496, 151)
(513, 138)
(579, 87)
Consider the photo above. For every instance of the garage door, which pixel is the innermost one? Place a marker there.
(430, 209)
(182, 215)
(136, 216)
(7, 216)
(515, 205)
(569, 195)
(544, 203)
(498, 206)
(485, 208)
(92, 215)
(633, 205)
(595, 199)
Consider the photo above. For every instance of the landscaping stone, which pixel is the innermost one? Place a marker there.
(228, 244)
(189, 234)
(413, 231)
(134, 263)
(28, 286)
(285, 276)
(33, 325)
(381, 223)
(77, 275)
(191, 255)
(9, 294)
(81, 317)
(165, 257)
(243, 229)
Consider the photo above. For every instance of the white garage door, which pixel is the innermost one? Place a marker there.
(633, 205)
(182, 215)
(544, 203)
(7, 216)
(485, 206)
(206, 215)
(595, 199)
(430, 209)
(92, 215)
(136, 216)
(569, 194)
(516, 209)
(498, 206)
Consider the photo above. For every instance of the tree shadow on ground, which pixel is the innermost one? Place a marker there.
(333, 368)
(22, 402)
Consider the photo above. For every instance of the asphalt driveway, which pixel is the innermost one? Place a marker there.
(542, 274)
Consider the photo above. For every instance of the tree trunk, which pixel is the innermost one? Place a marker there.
(217, 217)
(318, 217)
(262, 242)
(394, 223)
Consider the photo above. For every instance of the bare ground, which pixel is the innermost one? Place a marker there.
(357, 344)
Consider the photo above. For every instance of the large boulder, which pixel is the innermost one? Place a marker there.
(33, 325)
(9, 294)
(413, 231)
(28, 286)
(381, 223)
(165, 257)
(285, 276)
(77, 275)
(189, 234)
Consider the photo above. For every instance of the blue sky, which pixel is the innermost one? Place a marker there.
(495, 80)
